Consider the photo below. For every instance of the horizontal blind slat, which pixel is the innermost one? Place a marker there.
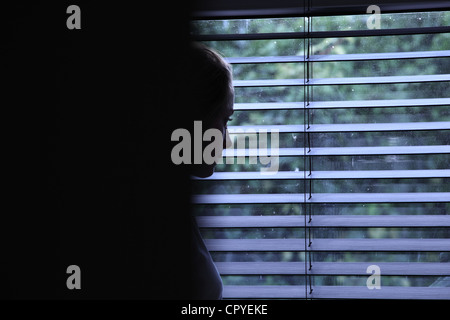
(334, 268)
(386, 292)
(342, 81)
(342, 104)
(345, 127)
(326, 175)
(332, 292)
(321, 34)
(350, 245)
(339, 151)
(258, 292)
(322, 221)
(341, 57)
(415, 197)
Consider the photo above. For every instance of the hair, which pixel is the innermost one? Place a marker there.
(209, 82)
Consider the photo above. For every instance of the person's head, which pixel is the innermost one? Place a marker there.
(211, 96)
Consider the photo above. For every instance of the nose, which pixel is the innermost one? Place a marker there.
(227, 143)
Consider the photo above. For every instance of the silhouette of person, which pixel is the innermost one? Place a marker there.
(96, 171)
(125, 214)
(211, 94)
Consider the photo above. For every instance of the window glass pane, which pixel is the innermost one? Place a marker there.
(388, 162)
(268, 71)
(382, 209)
(381, 185)
(335, 116)
(247, 186)
(362, 139)
(380, 91)
(247, 26)
(380, 115)
(264, 280)
(253, 233)
(261, 48)
(324, 209)
(374, 257)
(369, 257)
(266, 117)
(322, 186)
(271, 94)
(400, 281)
(380, 233)
(326, 233)
(326, 163)
(387, 21)
(341, 69)
(284, 164)
(343, 92)
(285, 140)
(376, 68)
(325, 23)
(404, 43)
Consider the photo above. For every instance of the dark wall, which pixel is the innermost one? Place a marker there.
(89, 129)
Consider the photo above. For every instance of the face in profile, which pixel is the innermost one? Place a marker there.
(210, 98)
(218, 122)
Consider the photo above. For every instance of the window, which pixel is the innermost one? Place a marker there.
(361, 193)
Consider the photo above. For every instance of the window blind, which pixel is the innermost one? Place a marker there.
(363, 118)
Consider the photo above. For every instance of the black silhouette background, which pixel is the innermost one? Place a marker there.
(88, 151)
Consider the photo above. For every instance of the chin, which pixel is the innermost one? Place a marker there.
(203, 171)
